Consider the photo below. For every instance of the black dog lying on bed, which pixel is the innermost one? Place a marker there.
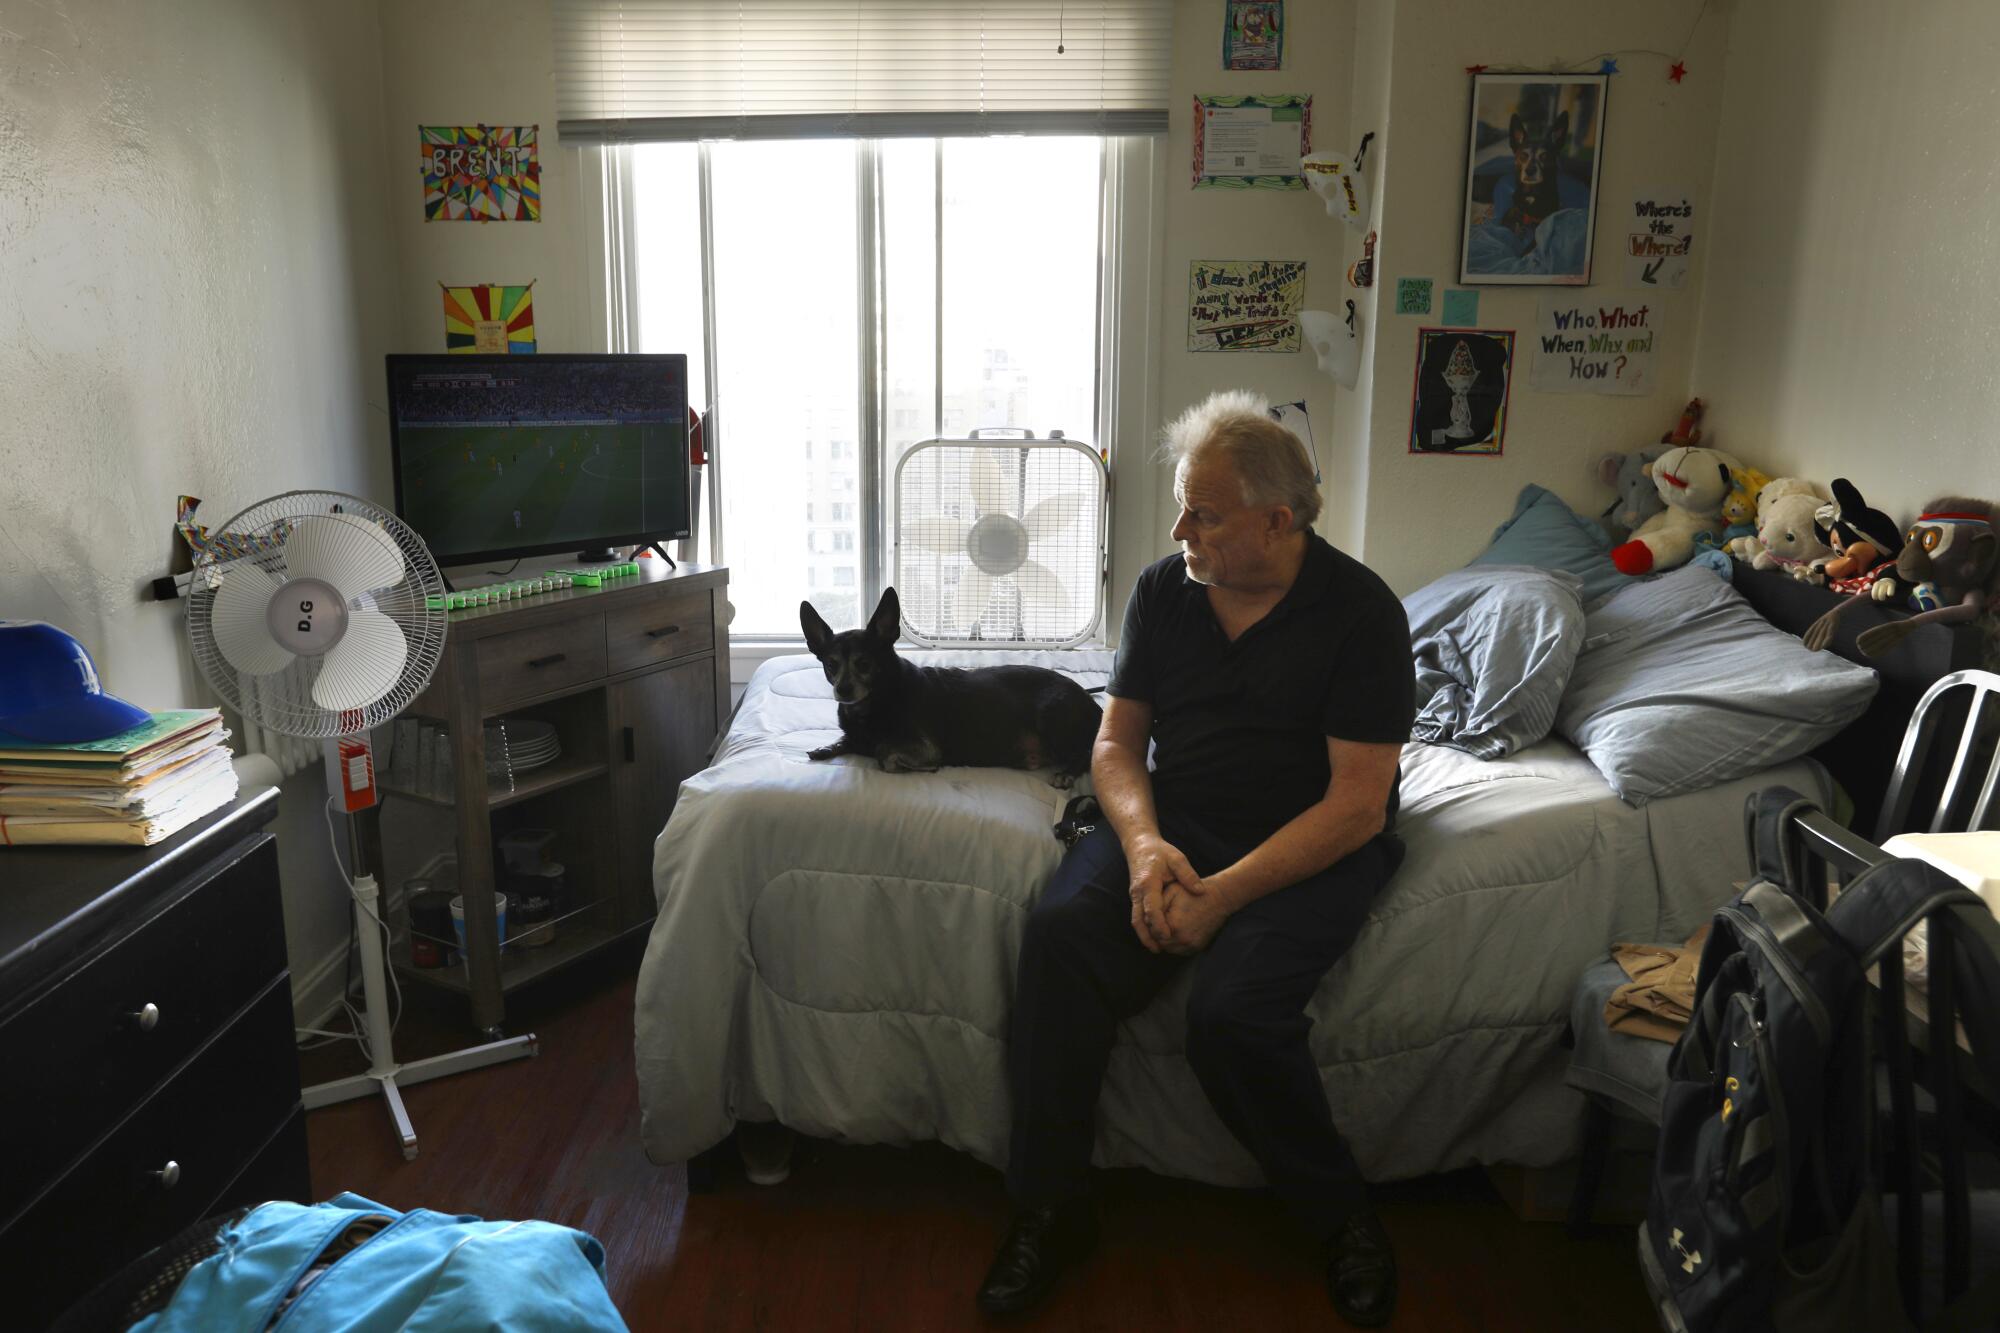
(914, 719)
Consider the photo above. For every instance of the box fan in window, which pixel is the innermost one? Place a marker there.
(1000, 541)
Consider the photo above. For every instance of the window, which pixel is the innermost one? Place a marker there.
(973, 262)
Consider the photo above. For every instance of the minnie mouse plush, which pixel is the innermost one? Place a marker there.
(1864, 540)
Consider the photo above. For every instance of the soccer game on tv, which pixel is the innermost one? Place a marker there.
(524, 453)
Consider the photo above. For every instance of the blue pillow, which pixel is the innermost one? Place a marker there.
(1494, 648)
(1681, 685)
(1547, 534)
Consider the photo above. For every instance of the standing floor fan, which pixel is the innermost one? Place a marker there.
(320, 615)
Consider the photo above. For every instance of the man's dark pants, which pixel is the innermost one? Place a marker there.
(1083, 970)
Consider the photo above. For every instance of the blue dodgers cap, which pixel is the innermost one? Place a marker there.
(49, 690)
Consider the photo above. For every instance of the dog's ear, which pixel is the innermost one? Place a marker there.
(1559, 132)
(887, 622)
(1517, 133)
(818, 633)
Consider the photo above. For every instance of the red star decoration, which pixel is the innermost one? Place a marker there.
(1676, 72)
(1475, 69)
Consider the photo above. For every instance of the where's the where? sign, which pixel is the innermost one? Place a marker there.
(1659, 238)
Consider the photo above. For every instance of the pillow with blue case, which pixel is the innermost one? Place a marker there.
(1547, 534)
(1493, 650)
(1681, 684)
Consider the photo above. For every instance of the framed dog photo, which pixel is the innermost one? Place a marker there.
(1459, 405)
(1531, 174)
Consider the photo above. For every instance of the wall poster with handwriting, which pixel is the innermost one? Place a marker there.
(1245, 305)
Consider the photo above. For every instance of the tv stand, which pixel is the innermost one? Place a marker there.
(603, 555)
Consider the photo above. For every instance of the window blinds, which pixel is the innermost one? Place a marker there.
(636, 70)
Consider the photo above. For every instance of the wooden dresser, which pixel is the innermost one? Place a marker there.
(151, 1069)
(633, 677)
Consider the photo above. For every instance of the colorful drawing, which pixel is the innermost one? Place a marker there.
(1253, 34)
(481, 173)
(1245, 305)
(489, 319)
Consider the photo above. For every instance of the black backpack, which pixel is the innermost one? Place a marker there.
(1765, 1211)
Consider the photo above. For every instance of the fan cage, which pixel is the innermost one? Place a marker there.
(946, 487)
(282, 700)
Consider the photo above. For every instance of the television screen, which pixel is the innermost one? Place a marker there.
(499, 456)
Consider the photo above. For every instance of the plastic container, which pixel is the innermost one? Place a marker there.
(525, 851)
(431, 926)
(532, 914)
(499, 919)
(553, 885)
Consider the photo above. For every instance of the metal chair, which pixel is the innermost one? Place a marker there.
(1923, 796)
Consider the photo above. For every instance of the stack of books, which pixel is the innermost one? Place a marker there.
(138, 787)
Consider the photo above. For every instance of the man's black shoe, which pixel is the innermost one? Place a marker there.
(1361, 1272)
(1040, 1243)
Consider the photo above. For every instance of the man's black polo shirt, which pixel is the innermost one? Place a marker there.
(1239, 729)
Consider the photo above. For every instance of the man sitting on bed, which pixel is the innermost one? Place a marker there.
(1273, 676)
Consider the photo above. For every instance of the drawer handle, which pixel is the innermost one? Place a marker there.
(550, 660)
(145, 1019)
(631, 746)
(663, 631)
(168, 1175)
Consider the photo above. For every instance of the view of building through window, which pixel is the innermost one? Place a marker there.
(986, 302)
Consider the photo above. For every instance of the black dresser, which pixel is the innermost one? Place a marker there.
(150, 1071)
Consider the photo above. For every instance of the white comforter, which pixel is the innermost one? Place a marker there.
(835, 949)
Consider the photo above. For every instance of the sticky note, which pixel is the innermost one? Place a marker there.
(1461, 308)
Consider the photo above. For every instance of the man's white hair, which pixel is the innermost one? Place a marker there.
(1269, 461)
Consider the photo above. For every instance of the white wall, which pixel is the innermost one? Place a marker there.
(1856, 248)
(1427, 514)
(490, 62)
(198, 280)
(1253, 224)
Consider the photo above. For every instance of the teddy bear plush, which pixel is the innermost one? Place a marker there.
(1637, 500)
(1747, 549)
(1787, 539)
(1693, 483)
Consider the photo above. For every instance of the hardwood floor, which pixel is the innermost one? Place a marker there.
(892, 1238)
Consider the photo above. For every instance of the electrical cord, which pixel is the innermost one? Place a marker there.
(358, 1034)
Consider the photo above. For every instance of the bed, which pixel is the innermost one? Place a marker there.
(835, 949)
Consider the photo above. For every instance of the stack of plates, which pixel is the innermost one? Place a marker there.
(522, 742)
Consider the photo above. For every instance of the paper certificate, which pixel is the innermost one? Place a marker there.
(1251, 142)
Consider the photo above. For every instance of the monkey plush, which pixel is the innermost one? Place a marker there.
(1949, 560)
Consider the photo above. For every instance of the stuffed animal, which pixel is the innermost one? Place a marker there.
(1688, 429)
(1773, 490)
(1786, 537)
(1864, 540)
(1638, 500)
(1950, 560)
(1739, 511)
(1693, 483)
